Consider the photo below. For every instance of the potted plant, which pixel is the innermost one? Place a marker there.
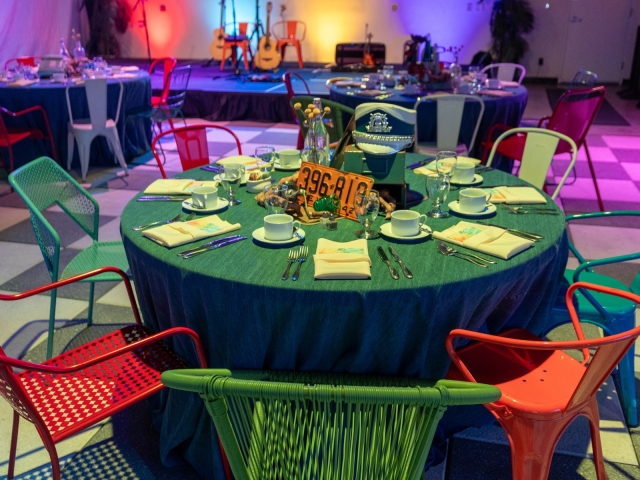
(510, 21)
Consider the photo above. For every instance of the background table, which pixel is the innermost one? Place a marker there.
(505, 110)
(248, 318)
(51, 96)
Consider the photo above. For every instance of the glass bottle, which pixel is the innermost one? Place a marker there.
(323, 139)
(78, 51)
(64, 53)
(313, 151)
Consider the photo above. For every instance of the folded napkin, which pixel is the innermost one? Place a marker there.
(348, 83)
(507, 83)
(241, 159)
(495, 93)
(22, 83)
(483, 238)
(130, 68)
(124, 75)
(429, 168)
(174, 186)
(374, 93)
(342, 261)
(515, 195)
(179, 233)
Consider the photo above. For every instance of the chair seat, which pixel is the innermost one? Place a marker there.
(616, 306)
(86, 127)
(14, 138)
(100, 254)
(67, 402)
(547, 379)
(430, 148)
(235, 38)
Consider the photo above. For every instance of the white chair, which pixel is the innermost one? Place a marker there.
(504, 71)
(539, 148)
(84, 133)
(449, 120)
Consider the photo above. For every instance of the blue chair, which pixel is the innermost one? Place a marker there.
(612, 314)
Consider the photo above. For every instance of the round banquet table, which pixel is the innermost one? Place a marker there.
(136, 96)
(248, 318)
(504, 110)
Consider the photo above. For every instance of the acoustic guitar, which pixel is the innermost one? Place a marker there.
(215, 49)
(267, 57)
(367, 60)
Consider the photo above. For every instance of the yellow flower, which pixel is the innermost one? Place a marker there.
(327, 110)
(297, 106)
(316, 111)
(311, 106)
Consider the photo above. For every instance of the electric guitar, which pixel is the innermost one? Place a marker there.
(267, 57)
(215, 49)
(367, 61)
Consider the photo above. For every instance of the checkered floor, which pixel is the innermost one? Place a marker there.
(126, 446)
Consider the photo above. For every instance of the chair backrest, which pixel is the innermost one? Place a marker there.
(192, 144)
(241, 31)
(584, 78)
(287, 78)
(322, 425)
(167, 64)
(22, 61)
(96, 93)
(289, 29)
(179, 85)
(505, 71)
(334, 122)
(539, 148)
(575, 112)
(42, 183)
(449, 119)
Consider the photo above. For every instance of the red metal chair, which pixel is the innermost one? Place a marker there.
(10, 136)
(573, 115)
(193, 146)
(22, 61)
(291, 37)
(241, 41)
(286, 78)
(168, 64)
(87, 384)
(543, 388)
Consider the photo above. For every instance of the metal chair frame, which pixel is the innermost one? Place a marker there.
(505, 71)
(287, 78)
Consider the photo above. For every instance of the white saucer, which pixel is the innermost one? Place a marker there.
(292, 168)
(385, 230)
(242, 182)
(222, 203)
(258, 234)
(476, 180)
(455, 206)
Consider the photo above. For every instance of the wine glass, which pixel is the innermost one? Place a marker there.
(276, 199)
(446, 163)
(437, 190)
(230, 177)
(367, 205)
(265, 156)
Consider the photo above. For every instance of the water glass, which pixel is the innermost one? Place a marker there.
(446, 162)
(265, 156)
(437, 190)
(473, 72)
(367, 205)
(231, 177)
(387, 70)
(276, 199)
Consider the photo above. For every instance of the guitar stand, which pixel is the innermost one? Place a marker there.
(258, 31)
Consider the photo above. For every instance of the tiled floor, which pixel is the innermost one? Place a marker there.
(126, 446)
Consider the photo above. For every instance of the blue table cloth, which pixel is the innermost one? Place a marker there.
(51, 96)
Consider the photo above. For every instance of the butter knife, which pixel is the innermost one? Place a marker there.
(213, 247)
(385, 259)
(161, 198)
(208, 244)
(530, 236)
(407, 273)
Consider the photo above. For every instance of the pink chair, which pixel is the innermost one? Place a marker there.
(287, 79)
(291, 38)
(168, 64)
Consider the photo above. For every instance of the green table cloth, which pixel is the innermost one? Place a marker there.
(248, 318)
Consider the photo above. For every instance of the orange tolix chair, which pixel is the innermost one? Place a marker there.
(543, 388)
(168, 64)
(287, 78)
(80, 387)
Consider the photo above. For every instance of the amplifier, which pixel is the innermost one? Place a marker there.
(351, 53)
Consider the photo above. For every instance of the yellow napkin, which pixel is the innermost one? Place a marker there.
(483, 238)
(22, 83)
(430, 168)
(130, 68)
(342, 261)
(172, 186)
(515, 195)
(179, 233)
(241, 159)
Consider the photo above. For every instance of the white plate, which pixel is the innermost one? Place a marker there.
(385, 230)
(292, 168)
(476, 180)
(258, 234)
(221, 203)
(242, 182)
(455, 206)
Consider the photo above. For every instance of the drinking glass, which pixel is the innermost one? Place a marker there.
(276, 199)
(387, 70)
(437, 190)
(446, 163)
(265, 156)
(473, 71)
(230, 178)
(367, 205)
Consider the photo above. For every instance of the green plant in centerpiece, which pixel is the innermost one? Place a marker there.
(510, 21)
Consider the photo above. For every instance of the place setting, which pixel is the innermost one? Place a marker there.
(279, 229)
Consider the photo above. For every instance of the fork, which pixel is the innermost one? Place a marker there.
(522, 211)
(293, 256)
(302, 257)
(452, 251)
(142, 227)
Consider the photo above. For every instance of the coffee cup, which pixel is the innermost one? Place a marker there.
(473, 200)
(493, 82)
(464, 172)
(204, 197)
(59, 77)
(407, 223)
(289, 158)
(279, 227)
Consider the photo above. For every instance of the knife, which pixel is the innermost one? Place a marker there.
(501, 186)
(530, 236)
(420, 163)
(161, 198)
(385, 259)
(407, 273)
(208, 244)
(213, 247)
(211, 168)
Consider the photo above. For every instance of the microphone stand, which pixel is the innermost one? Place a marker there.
(143, 23)
(258, 29)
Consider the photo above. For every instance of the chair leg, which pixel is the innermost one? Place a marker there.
(90, 311)
(52, 322)
(283, 50)
(299, 50)
(84, 149)
(627, 384)
(14, 445)
(10, 159)
(245, 57)
(300, 145)
(592, 413)
(224, 56)
(70, 144)
(593, 176)
(114, 141)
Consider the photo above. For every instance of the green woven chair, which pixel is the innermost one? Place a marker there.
(300, 425)
(41, 184)
(333, 122)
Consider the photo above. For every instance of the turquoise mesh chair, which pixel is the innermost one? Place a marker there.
(612, 314)
(333, 122)
(41, 184)
(301, 425)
